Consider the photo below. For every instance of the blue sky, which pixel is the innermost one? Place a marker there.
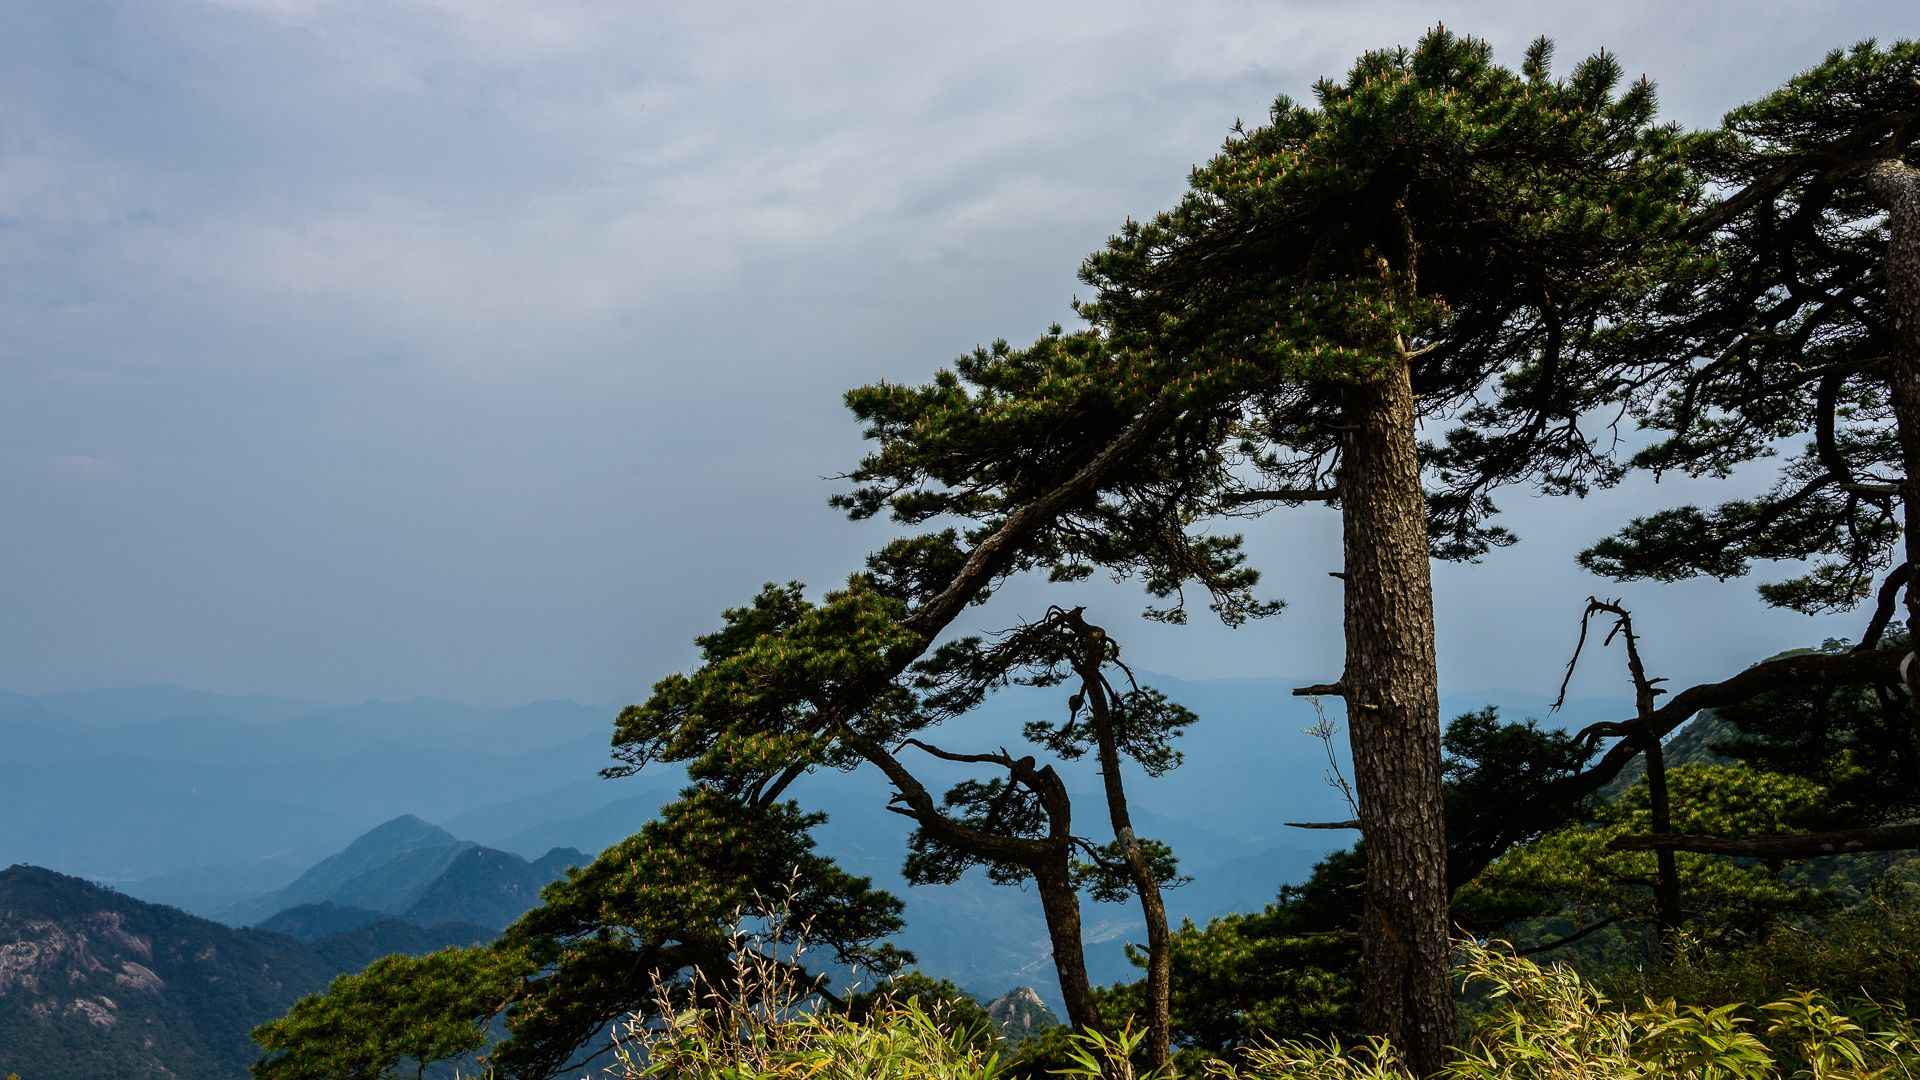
(488, 349)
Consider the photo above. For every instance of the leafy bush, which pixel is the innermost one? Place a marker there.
(764, 1023)
(1549, 1024)
(1540, 1023)
(1869, 950)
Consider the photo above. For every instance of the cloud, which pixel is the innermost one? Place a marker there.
(408, 307)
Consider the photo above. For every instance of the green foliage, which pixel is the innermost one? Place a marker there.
(1548, 1024)
(1541, 1023)
(759, 1023)
(1859, 743)
(1501, 223)
(1775, 331)
(1571, 872)
(1486, 762)
(396, 1013)
(1868, 950)
(753, 707)
(1144, 724)
(901, 1042)
(706, 879)
(960, 1012)
(1007, 425)
(787, 685)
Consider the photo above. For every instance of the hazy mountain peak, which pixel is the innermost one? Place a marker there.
(393, 857)
(407, 829)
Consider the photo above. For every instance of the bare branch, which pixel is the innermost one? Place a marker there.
(1319, 689)
(1002, 759)
(1568, 940)
(1291, 496)
(1324, 730)
(1790, 846)
(1586, 617)
(1884, 608)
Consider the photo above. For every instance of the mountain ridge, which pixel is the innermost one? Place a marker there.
(95, 983)
(413, 871)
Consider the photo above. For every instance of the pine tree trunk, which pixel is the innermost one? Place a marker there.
(1896, 186)
(1061, 905)
(1393, 717)
(1667, 877)
(1153, 906)
(1159, 962)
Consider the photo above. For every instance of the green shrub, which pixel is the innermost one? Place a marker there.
(1546, 1023)
(765, 1023)
(902, 1041)
(1537, 1023)
(1870, 950)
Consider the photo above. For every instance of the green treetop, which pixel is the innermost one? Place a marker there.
(787, 685)
(705, 880)
(1785, 331)
(1436, 237)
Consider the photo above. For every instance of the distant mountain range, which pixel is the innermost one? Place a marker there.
(244, 808)
(203, 800)
(96, 984)
(417, 872)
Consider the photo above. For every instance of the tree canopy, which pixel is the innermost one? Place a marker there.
(707, 878)
(1780, 338)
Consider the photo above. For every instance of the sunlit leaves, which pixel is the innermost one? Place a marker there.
(1573, 870)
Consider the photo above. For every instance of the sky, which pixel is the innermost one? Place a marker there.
(487, 349)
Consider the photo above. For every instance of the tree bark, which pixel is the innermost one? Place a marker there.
(1048, 859)
(1896, 186)
(1152, 905)
(1393, 717)
(1061, 905)
(1668, 881)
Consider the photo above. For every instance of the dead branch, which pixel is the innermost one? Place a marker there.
(1889, 599)
(1789, 846)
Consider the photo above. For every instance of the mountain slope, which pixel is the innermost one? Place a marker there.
(97, 984)
(489, 887)
(409, 870)
(1020, 1014)
(379, 868)
(311, 922)
(354, 949)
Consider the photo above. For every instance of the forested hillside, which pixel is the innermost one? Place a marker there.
(97, 984)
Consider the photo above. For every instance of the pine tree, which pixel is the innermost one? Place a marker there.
(677, 899)
(1801, 320)
(770, 701)
(1434, 230)
(1437, 231)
